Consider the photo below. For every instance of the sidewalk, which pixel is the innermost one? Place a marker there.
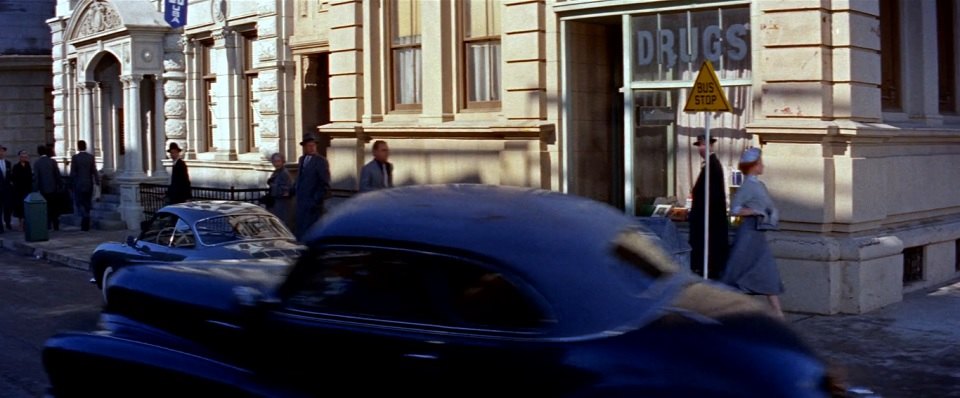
(69, 246)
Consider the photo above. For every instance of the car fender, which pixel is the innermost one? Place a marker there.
(94, 362)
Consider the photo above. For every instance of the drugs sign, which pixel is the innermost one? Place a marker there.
(175, 12)
(707, 94)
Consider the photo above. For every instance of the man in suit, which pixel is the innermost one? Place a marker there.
(46, 180)
(313, 183)
(377, 174)
(6, 189)
(83, 170)
(179, 189)
(718, 248)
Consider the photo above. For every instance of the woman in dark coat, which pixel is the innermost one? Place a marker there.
(22, 184)
(751, 266)
(280, 182)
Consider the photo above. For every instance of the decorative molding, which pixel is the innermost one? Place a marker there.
(99, 17)
(131, 80)
(219, 9)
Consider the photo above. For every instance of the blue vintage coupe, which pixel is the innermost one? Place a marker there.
(457, 290)
(207, 230)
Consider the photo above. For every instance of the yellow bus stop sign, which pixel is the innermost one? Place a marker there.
(707, 94)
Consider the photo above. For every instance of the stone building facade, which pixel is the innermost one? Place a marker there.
(852, 101)
(25, 72)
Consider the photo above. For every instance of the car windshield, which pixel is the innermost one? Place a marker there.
(240, 227)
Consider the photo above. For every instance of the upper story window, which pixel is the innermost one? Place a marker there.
(481, 49)
(405, 54)
(206, 95)
(946, 49)
(890, 80)
(250, 95)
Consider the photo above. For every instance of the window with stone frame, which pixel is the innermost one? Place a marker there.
(250, 94)
(946, 50)
(207, 99)
(481, 53)
(405, 54)
(890, 76)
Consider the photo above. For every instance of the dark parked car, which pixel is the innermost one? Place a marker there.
(458, 290)
(199, 230)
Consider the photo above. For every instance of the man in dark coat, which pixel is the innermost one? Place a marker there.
(719, 246)
(83, 172)
(179, 189)
(313, 183)
(6, 188)
(377, 174)
(47, 181)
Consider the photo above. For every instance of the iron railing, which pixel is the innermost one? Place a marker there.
(152, 195)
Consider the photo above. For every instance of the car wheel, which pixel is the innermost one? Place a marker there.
(107, 271)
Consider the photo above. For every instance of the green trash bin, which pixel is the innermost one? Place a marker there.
(35, 218)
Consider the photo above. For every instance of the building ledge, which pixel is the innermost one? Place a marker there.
(511, 130)
(26, 62)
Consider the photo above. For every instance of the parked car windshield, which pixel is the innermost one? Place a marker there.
(240, 227)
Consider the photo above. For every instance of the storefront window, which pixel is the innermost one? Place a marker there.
(671, 46)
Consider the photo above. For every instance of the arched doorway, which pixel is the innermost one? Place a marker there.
(109, 116)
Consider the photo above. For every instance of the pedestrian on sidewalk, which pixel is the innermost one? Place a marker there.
(280, 202)
(6, 189)
(751, 266)
(718, 247)
(313, 183)
(22, 179)
(48, 181)
(83, 172)
(378, 173)
(179, 190)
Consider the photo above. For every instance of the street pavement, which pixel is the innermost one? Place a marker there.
(37, 300)
(909, 349)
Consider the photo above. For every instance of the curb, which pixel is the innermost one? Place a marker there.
(26, 249)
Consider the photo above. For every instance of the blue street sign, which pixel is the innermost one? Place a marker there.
(175, 12)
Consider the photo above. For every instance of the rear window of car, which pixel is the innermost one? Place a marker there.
(240, 227)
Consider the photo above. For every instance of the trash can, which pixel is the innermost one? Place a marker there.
(35, 218)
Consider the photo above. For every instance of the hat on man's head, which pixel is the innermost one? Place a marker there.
(174, 147)
(750, 155)
(308, 137)
(701, 138)
(3, 147)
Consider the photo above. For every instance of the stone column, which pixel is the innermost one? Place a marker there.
(159, 136)
(130, 209)
(87, 114)
(133, 158)
(229, 94)
(437, 88)
(524, 55)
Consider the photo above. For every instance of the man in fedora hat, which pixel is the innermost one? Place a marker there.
(313, 183)
(179, 189)
(718, 247)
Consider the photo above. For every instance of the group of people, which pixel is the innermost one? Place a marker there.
(312, 184)
(748, 264)
(17, 180)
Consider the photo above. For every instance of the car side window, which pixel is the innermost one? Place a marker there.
(409, 287)
(183, 236)
(161, 229)
(366, 284)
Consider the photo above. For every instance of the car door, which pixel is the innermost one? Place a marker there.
(413, 320)
(351, 321)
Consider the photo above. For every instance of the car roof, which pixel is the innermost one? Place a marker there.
(194, 211)
(562, 245)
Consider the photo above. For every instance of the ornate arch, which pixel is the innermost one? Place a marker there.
(93, 18)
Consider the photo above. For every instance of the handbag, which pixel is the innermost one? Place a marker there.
(267, 200)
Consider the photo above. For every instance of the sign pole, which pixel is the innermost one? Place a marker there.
(706, 197)
(707, 96)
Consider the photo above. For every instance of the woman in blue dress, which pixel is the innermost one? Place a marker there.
(751, 266)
